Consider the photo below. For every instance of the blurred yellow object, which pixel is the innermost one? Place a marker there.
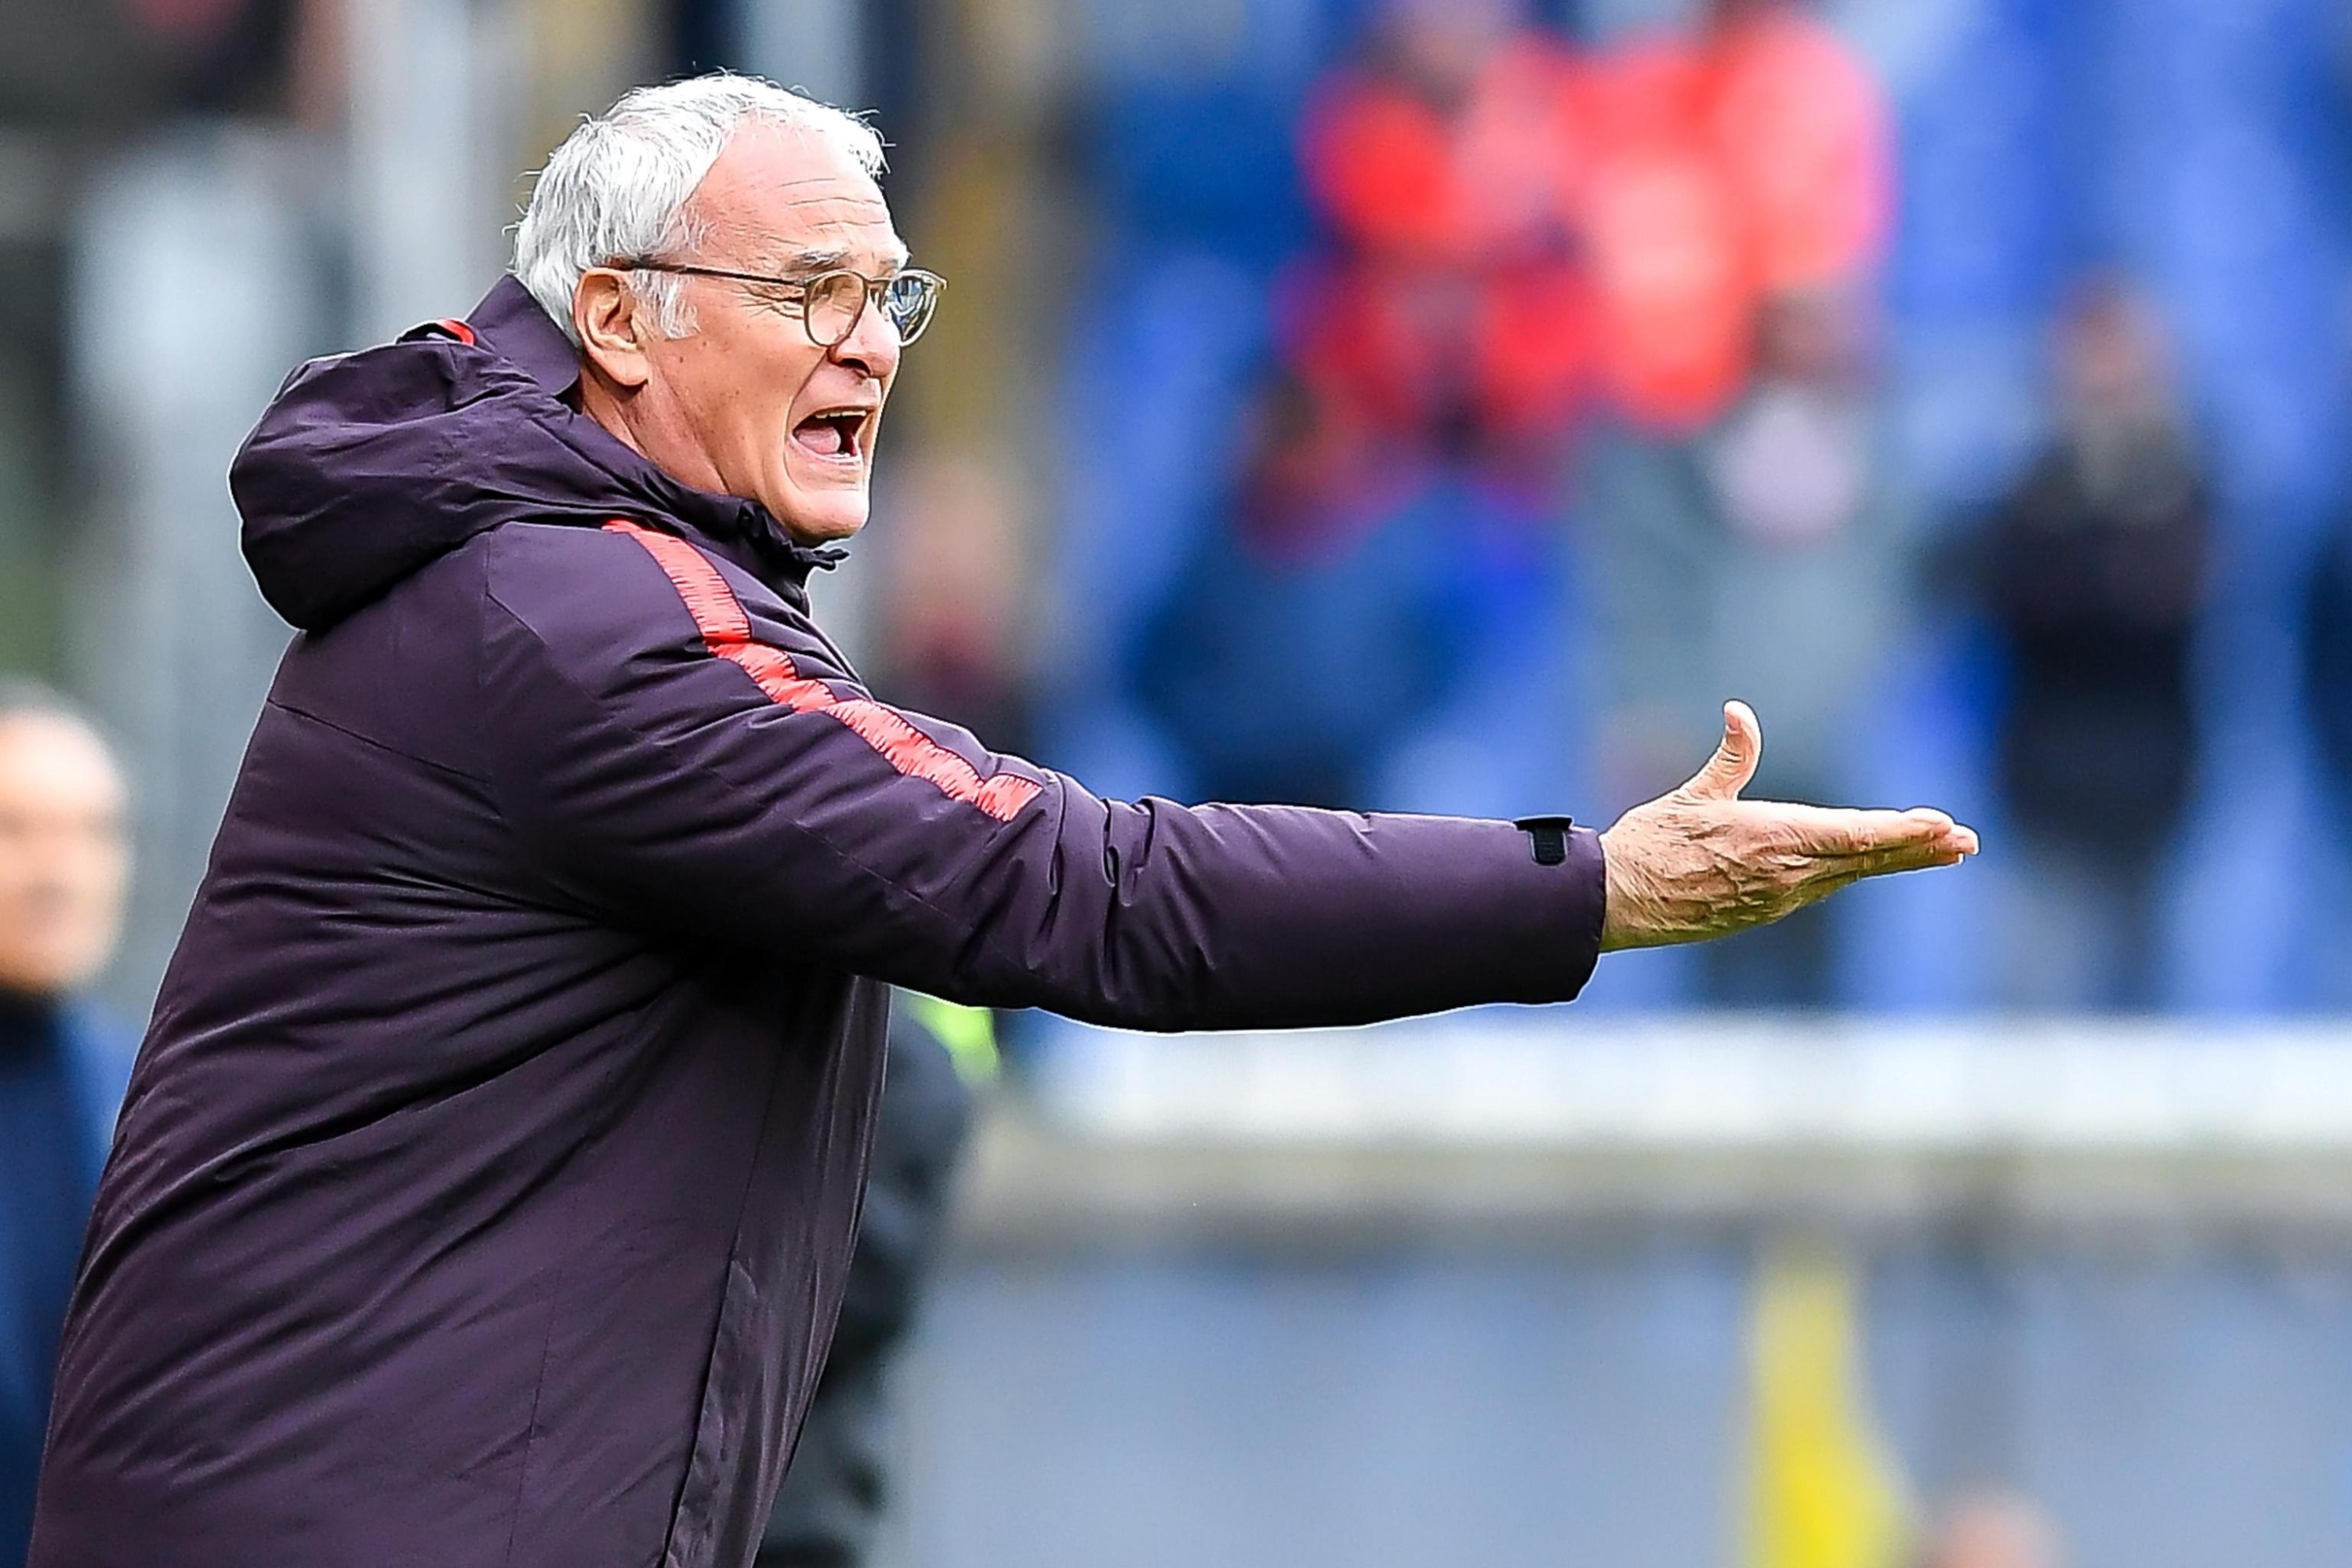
(1824, 1491)
(967, 1033)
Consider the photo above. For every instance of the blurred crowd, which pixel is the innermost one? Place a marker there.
(1561, 378)
(1431, 404)
(1613, 303)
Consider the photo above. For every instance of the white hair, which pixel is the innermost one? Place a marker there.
(620, 184)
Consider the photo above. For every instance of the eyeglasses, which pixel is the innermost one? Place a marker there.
(832, 303)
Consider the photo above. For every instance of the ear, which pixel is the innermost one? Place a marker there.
(613, 330)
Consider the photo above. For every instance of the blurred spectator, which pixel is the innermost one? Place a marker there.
(1448, 168)
(106, 66)
(950, 609)
(837, 1491)
(1750, 160)
(1310, 627)
(1803, 130)
(1745, 525)
(1382, 583)
(64, 862)
(2328, 682)
(228, 56)
(1992, 1530)
(1758, 560)
(2327, 645)
(2093, 572)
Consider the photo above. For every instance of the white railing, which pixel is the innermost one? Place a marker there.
(1540, 1119)
(1550, 1080)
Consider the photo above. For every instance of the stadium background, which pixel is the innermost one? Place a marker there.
(1493, 1290)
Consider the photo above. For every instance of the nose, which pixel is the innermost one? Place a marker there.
(872, 346)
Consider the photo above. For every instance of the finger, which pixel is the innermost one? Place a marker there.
(1734, 764)
(1828, 831)
(1820, 831)
(1839, 871)
(1958, 834)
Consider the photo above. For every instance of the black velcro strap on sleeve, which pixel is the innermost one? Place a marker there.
(1548, 836)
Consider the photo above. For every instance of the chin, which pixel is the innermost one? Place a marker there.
(827, 521)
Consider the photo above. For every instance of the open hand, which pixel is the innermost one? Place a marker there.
(1702, 862)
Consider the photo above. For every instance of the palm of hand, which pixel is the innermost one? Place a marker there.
(1700, 862)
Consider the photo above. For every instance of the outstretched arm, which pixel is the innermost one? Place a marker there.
(675, 761)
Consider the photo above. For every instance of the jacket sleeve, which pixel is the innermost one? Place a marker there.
(746, 793)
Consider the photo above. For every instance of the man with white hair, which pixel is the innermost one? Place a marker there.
(489, 1177)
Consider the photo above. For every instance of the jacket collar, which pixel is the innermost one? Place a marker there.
(511, 324)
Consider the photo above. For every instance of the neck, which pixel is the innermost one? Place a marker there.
(609, 407)
(647, 425)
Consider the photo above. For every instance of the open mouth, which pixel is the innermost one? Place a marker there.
(837, 435)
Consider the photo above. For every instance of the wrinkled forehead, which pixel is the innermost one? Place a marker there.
(784, 198)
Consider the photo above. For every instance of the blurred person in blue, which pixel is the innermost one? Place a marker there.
(63, 863)
(1308, 630)
(2092, 573)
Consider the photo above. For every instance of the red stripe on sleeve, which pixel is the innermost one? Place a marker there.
(726, 630)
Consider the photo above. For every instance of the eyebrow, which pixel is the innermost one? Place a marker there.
(826, 259)
(821, 260)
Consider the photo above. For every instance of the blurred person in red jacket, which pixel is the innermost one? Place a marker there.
(1448, 166)
(1747, 161)
(1737, 214)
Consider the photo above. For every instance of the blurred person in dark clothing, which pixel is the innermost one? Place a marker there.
(835, 1492)
(2327, 680)
(2327, 651)
(106, 67)
(64, 861)
(2093, 572)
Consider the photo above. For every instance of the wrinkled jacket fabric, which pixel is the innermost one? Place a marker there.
(487, 1183)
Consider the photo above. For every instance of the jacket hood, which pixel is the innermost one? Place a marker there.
(369, 466)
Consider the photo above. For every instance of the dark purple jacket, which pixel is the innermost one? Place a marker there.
(488, 1180)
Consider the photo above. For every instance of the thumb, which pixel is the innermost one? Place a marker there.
(1734, 764)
